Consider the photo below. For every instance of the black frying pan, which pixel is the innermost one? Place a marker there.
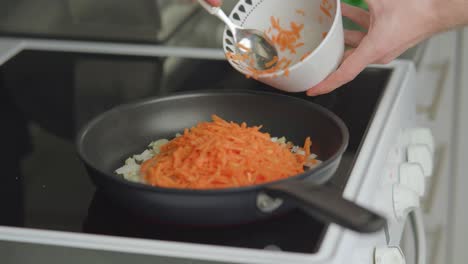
(113, 136)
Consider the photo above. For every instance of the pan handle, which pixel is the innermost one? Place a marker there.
(327, 204)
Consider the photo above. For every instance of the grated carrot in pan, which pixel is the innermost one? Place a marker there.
(222, 154)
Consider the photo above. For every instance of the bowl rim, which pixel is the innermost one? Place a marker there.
(280, 73)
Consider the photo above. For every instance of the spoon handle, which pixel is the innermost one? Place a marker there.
(211, 9)
(217, 11)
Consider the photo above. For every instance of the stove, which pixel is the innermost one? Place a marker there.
(47, 197)
(47, 187)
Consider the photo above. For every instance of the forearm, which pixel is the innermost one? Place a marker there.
(451, 13)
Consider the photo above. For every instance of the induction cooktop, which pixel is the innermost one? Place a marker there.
(48, 96)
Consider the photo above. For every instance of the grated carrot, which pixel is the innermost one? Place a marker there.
(326, 8)
(325, 11)
(300, 12)
(305, 55)
(297, 29)
(298, 45)
(284, 39)
(237, 57)
(275, 22)
(287, 64)
(272, 62)
(320, 20)
(222, 154)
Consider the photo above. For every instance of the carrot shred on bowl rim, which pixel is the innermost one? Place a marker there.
(306, 55)
(222, 154)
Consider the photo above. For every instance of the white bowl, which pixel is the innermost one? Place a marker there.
(325, 53)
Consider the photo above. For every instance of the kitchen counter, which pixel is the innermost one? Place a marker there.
(8, 49)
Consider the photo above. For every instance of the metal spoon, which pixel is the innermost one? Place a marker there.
(260, 49)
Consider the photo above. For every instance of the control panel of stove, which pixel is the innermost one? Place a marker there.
(389, 255)
(412, 172)
(408, 167)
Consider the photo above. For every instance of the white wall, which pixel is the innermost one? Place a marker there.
(460, 195)
(443, 106)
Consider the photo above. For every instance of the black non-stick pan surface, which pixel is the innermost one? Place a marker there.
(105, 143)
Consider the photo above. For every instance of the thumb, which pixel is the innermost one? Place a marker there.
(214, 2)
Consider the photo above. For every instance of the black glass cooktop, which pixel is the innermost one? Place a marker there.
(46, 97)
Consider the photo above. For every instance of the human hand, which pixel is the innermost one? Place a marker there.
(214, 2)
(392, 28)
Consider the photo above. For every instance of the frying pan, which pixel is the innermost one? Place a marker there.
(105, 142)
